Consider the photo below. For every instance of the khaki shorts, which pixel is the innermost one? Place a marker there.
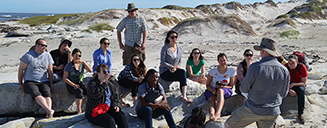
(243, 116)
(130, 50)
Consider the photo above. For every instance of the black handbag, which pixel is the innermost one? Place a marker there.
(152, 94)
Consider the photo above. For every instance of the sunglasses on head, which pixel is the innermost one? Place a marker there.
(248, 55)
(136, 59)
(105, 72)
(43, 45)
(78, 55)
(173, 37)
(195, 53)
(131, 11)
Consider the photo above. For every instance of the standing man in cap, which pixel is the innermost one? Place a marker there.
(267, 83)
(298, 72)
(61, 57)
(134, 27)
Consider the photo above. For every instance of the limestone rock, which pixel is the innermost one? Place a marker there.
(18, 33)
(317, 72)
(59, 122)
(20, 123)
(311, 89)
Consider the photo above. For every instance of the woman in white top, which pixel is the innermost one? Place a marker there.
(219, 86)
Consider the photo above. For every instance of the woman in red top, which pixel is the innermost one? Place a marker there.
(298, 74)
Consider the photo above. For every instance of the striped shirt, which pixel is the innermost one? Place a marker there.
(133, 29)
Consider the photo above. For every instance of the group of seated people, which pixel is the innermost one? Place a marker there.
(105, 100)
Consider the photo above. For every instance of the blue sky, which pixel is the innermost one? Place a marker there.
(83, 6)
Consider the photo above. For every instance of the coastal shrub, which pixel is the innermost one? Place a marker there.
(46, 20)
(289, 33)
(294, 15)
(305, 15)
(271, 2)
(86, 30)
(101, 26)
(165, 21)
(79, 20)
(282, 16)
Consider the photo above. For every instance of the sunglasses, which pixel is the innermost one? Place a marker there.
(66, 42)
(106, 43)
(248, 55)
(195, 53)
(43, 45)
(105, 72)
(136, 59)
(173, 37)
(78, 55)
(131, 11)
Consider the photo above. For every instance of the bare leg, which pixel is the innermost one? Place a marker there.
(203, 80)
(212, 105)
(134, 98)
(79, 105)
(184, 95)
(220, 102)
(44, 103)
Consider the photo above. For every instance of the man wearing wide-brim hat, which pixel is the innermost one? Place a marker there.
(135, 27)
(61, 57)
(267, 83)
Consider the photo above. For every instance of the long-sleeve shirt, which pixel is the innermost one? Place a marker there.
(129, 73)
(99, 58)
(266, 83)
(167, 58)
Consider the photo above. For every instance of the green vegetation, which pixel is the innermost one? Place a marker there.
(79, 20)
(165, 21)
(101, 26)
(272, 3)
(305, 15)
(289, 33)
(87, 30)
(282, 16)
(38, 20)
(294, 15)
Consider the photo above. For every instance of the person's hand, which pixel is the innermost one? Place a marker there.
(143, 46)
(291, 85)
(122, 47)
(21, 87)
(52, 88)
(116, 109)
(76, 86)
(172, 69)
(164, 106)
(67, 48)
(108, 77)
(80, 61)
(177, 66)
(60, 67)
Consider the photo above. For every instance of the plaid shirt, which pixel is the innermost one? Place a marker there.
(134, 28)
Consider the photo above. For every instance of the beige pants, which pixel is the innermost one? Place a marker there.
(130, 50)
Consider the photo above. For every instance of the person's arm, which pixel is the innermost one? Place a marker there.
(21, 69)
(95, 61)
(65, 78)
(70, 56)
(110, 61)
(248, 80)
(190, 72)
(144, 39)
(144, 103)
(303, 83)
(240, 71)
(87, 67)
(231, 82)
(163, 57)
(203, 70)
(163, 103)
(209, 80)
(50, 76)
(121, 45)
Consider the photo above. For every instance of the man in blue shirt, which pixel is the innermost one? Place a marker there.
(267, 83)
(134, 26)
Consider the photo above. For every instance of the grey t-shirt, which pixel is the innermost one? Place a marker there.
(75, 75)
(143, 90)
(37, 66)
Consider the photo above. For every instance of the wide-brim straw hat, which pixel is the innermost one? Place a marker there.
(270, 46)
(131, 6)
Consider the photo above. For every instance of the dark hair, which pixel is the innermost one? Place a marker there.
(141, 65)
(76, 50)
(221, 55)
(103, 39)
(191, 57)
(148, 74)
(98, 69)
(38, 40)
(244, 64)
(168, 35)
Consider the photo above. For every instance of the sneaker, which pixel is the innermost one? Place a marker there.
(301, 118)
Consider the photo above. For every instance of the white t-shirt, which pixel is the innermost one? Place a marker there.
(222, 78)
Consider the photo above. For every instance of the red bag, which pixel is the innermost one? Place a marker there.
(300, 56)
(100, 109)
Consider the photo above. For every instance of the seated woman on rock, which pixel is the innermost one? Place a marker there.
(132, 75)
(194, 65)
(170, 61)
(219, 86)
(73, 76)
(146, 108)
(103, 106)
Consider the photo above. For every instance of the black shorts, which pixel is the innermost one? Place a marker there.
(37, 88)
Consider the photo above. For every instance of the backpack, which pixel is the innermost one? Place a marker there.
(302, 59)
(297, 69)
(197, 119)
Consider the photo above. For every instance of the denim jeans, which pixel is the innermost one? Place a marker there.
(300, 98)
(147, 114)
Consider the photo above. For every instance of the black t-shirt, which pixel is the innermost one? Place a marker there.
(58, 59)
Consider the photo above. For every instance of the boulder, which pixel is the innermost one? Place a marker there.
(18, 103)
(18, 33)
(20, 123)
(317, 72)
(59, 122)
